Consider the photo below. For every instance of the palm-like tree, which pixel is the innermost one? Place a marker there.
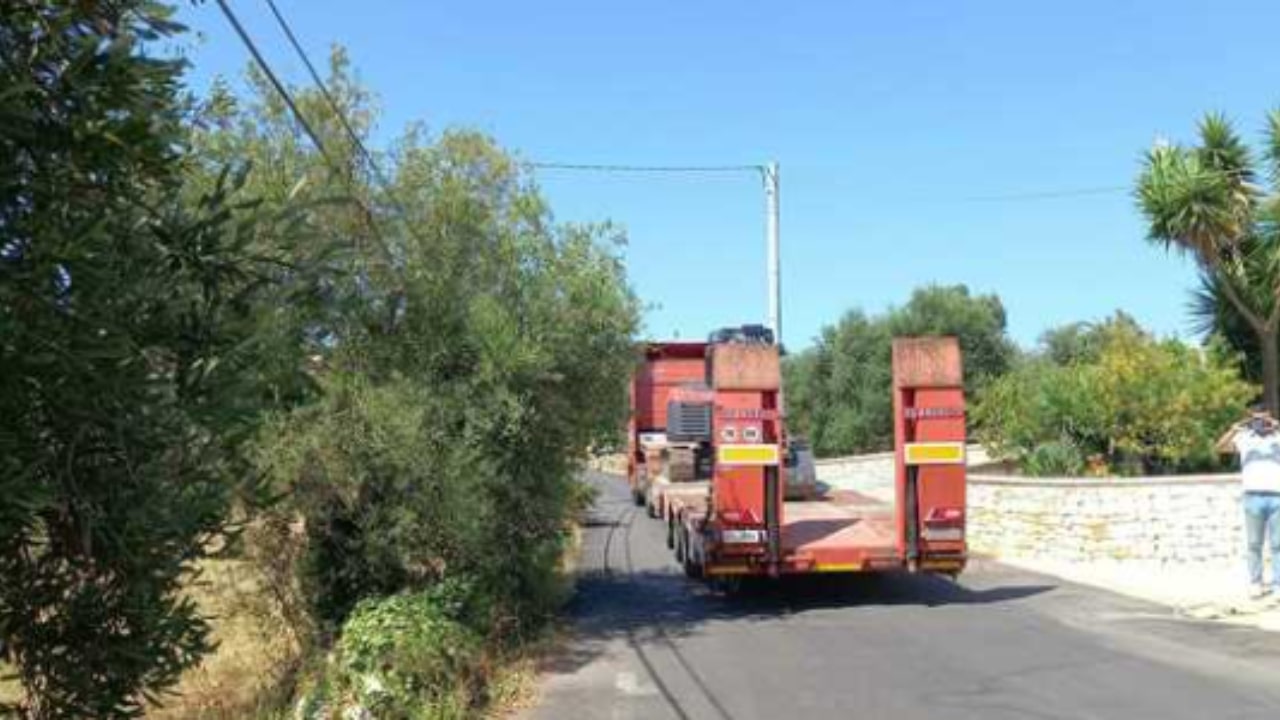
(1215, 316)
(1204, 201)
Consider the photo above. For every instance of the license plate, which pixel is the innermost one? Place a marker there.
(943, 534)
(741, 537)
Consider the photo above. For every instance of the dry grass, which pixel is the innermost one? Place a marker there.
(10, 690)
(614, 463)
(249, 672)
(253, 661)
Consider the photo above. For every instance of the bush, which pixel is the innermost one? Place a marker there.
(1055, 458)
(402, 657)
(839, 392)
(409, 655)
(136, 356)
(1142, 405)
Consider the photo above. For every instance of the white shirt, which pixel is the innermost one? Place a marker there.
(1259, 460)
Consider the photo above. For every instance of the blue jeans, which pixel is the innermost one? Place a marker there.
(1262, 516)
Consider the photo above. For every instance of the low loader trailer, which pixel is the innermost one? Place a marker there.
(725, 500)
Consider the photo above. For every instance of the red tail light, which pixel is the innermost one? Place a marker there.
(945, 516)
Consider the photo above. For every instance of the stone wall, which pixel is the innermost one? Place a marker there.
(872, 475)
(856, 468)
(1189, 519)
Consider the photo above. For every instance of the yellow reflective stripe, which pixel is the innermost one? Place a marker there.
(748, 454)
(727, 570)
(935, 453)
(837, 567)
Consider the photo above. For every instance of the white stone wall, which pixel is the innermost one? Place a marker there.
(1184, 520)
(1147, 522)
(856, 470)
(872, 475)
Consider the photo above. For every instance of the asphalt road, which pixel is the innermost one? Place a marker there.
(646, 643)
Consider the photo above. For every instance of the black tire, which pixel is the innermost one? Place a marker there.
(692, 568)
(729, 584)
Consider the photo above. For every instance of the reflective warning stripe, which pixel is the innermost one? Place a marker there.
(748, 455)
(934, 453)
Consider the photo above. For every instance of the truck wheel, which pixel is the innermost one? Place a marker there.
(692, 566)
(728, 585)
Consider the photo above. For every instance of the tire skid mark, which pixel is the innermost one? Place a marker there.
(670, 644)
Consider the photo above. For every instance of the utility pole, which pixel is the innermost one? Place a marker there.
(770, 173)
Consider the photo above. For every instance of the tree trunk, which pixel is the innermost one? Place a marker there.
(1270, 370)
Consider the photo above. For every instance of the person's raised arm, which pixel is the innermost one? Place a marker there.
(1226, 444)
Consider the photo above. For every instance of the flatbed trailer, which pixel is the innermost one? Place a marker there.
(842, 531)
(737, 523)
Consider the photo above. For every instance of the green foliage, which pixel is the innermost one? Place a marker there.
(1054, 459)
(1081, 342)
(1139, 405)
(838, 392)
(1217, 318)
(137, 316)
(475, 351)
(1204, 201)
(401, 657)
(177, 324)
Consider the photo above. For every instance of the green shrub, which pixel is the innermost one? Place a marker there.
(142, 337)
(839, 391)
(1140, 404)
(403, 657)
(1056, 458)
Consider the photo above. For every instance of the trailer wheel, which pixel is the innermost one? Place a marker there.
(728, 584)
(692, 566)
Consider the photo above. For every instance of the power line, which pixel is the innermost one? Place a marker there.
(275, 81)
(1082, 191)
(379, 175)
(292, 104)
(613, 168)
(1030, 195)
(1048, 194)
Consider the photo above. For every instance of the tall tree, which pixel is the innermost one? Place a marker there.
(130, 373)
(838, 390)
(1203, 201)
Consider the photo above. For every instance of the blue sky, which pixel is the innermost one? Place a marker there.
(894, 123)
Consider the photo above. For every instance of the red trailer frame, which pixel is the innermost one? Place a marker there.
(665, 367)
(739, 523)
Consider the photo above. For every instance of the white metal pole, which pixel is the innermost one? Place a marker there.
(775, 281)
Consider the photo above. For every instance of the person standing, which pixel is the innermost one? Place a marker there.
(1257, 441)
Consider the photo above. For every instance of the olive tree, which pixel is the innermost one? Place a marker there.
(132, 316)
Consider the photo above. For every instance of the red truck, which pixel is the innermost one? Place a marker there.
(709, 455)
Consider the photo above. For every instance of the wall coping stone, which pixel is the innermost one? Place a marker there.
(845, 459)
(1104, 482)
(972, 449)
